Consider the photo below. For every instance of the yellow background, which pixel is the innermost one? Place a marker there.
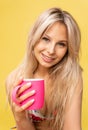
(16, 18)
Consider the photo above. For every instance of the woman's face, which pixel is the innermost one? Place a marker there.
(52, 46)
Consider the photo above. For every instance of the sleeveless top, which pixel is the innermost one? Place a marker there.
(36, 116)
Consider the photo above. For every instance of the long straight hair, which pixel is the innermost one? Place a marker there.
(66, 73)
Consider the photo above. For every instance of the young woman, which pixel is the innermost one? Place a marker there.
(52, 54)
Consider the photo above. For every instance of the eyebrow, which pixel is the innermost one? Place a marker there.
(65, 41)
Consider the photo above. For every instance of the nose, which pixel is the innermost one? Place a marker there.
(51, 49)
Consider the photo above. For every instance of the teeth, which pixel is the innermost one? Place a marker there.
(46, 58)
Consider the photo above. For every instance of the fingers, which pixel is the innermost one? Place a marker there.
(24, 87)
(22, 94)
(19, 81)
(25, 96)
(28, 104)
(18, 108)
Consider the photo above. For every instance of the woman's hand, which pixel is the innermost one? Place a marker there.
(20, 111)
(20, 114)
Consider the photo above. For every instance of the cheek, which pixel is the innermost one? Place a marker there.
(39, 47)
(61, 53)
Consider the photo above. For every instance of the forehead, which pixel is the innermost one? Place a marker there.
(58, 29)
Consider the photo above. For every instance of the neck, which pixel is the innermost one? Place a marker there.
(41, 72)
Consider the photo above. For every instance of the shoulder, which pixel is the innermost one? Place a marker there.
(10, 80)
(74, 107)
(9, 84)
(79, 87)
(76, 91)
(13, 77)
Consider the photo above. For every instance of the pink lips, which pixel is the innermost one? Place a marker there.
(47, 58)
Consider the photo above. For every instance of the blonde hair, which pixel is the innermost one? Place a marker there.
(66, 73)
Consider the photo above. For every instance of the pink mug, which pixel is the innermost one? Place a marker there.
(38, 86)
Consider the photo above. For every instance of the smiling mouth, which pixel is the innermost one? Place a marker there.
(47, 58)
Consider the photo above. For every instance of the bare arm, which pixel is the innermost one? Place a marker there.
(73, 112)
(20, 114)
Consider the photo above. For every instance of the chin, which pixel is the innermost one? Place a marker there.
(46, 65)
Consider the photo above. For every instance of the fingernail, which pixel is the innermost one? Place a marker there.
(32, 100)
(33, 91)
(29, 84)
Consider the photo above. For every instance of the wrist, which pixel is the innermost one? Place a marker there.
(22, 117)
(24, 124)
